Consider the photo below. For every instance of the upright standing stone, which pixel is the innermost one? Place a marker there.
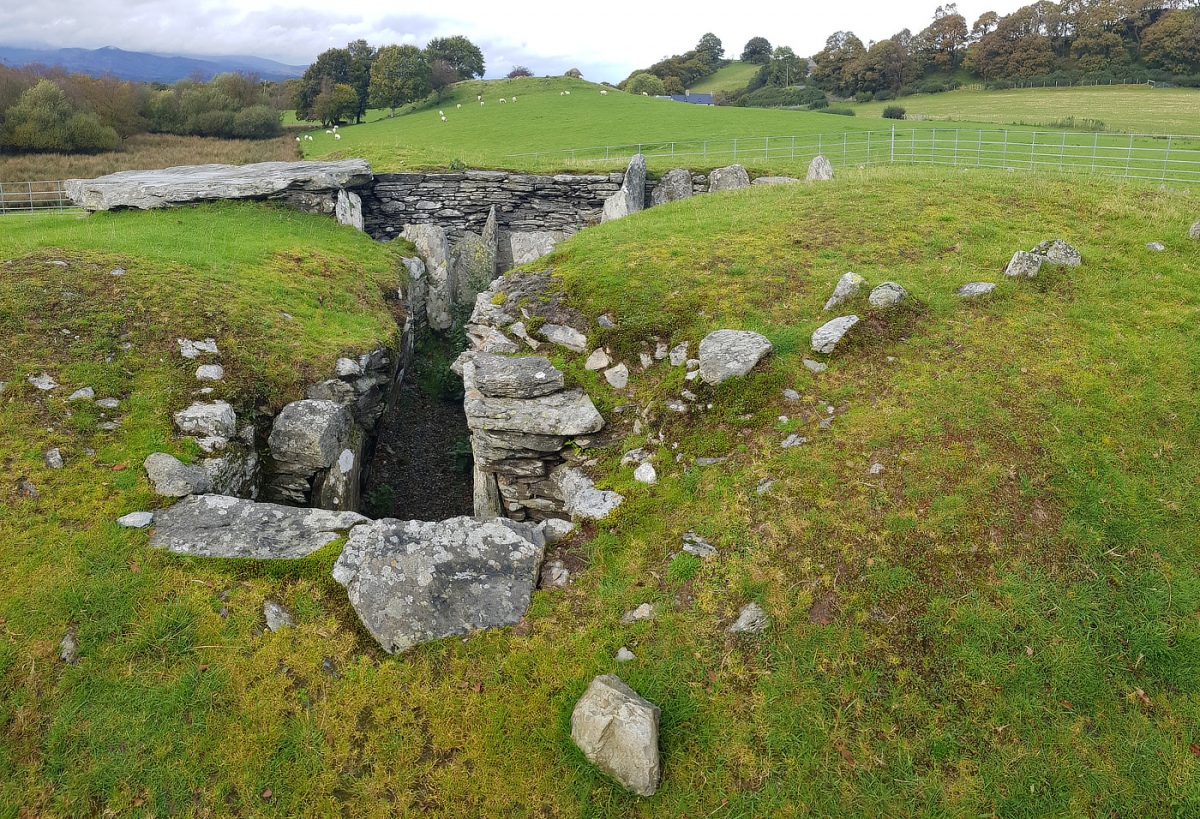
(349, 209)
(632, 196)
(848, 287)
(820, 169)
(434, 248)
(617, 730)
(416, 288)
(474, 262)
(1023, 265)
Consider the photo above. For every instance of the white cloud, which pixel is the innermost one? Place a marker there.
(605, 41)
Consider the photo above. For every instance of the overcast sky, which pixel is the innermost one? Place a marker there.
(605, 40)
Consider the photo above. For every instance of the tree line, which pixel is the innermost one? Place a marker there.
(344, 82)
(46, 109)
(1071, 41)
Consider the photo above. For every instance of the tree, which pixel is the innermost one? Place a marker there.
(783, 69)
(42, 119)
(942, 41)
(672, 85)
(986, 23)
(1173, 43)
(463, 55)
(838, 62)
(332, 65)
(399, 75)
(361, 58)
(337, 101)
(757, 50)
(645, 83)
(709, 49)
(519, 71)
(441, 76)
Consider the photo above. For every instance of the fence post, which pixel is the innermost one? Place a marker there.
(933, 148)
(843, 149)
(956, 147)
(1128, 154)
(1004, 153)
(892, 155)
(1062, 151)
(1032, 150)
(767, 150)
(1167, 158)
(868, 147)
(1095, 146)
(818, 143)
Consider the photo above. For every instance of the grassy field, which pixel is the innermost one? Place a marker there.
(1004, 621)
(146, 152)
(543, 119)
(730, 78)
(1136, 109)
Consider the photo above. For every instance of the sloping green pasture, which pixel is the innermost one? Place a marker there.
(730, 78)
(1003, 621)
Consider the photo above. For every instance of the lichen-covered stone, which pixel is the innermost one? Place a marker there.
(827, 336)
(728, 179)
(1023, 265)
(207, 420)
(726, 354)
(848, 286)
(415, 581)
(819, 170)
(617, 730)
(310, 433)
(507, 377)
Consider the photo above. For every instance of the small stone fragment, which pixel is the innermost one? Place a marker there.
(635, 456)
(277, 616)
(617, 377)
(710, 461)
(875, 469)
(210, 372)
(815, 366)
(606, 322)
(136, 520)
(1155, 246)
(790, 394)
(108, 403)
(793, 440)
(764, 486)
(751, 620)
(43, 382)
(688, 395)
(555, 529)
(645, 474)
(624, 655)
(215, 419)
(698, 546)
(679, 354)
(642, 612)
(85, 394)
(192, 349)
(827, 336)
(347, 368)
(972, 290)
(565, 336)
(69, 647)
(1059, 253)
(555, 574)
(117, 271)
(1023, 265)
(53, 458)
(660, 351)
(598, 360)
(675, 405)
(646, 360)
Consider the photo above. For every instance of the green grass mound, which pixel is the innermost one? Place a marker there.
(730, 78)
(1001, 621)
(545, 118)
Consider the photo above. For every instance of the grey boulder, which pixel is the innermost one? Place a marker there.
(174, 479)
(827, 336)
(529, 246)
(565, 413)
(1023, 265)
(886, 296)
(1194, 230)
(565, 336)
(617, 730)
(499, 376)
(972, 290)
(348, 210)
(581, 498)
(819, 170)
(213, 420)
(198, 183)
(726, 354)
(310, 433)
(414, 581)
(848, 286)
(676, 184)
(728, 179)
(1058, 253)
(434, 249)
(775, 180)
(221, 526)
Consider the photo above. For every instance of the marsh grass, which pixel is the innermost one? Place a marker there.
(1001, 622)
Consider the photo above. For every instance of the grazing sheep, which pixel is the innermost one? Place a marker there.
(481, 103)
(328, 131)
(480, 97)
(297, 139)
(443, 119)
(337, 136)
(459, 105)
(568, 93)
(603, 92)
(514, 99)
(644, 94)
(561, 93)
(441, 113)
(502, 100)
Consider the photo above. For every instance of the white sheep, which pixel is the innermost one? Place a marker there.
(480, 97)
(443, 119)
(459, 105)
(335, 128)
(644, 94)
(568, 93)
(560, 93)
(481, 103)
(337, 136)
(603, 92)
(502, 100)
(328, 131)
(441, 113)
(514, 99)
(297, 139)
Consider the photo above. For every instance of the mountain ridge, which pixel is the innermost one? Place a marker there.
(146, 67)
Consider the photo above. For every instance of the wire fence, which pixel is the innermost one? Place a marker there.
(1163, 158)
(27, 197)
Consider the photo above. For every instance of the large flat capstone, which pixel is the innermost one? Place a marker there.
(414, 581)
(221, 526)
(185, 184)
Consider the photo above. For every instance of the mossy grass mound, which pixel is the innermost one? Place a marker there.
(1002, 620)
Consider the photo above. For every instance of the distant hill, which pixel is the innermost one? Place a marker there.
(730, 78)
(142, 67)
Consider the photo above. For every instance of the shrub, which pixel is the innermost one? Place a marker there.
(844, 112)
(818, 104)
(884, 96)
(42, 120)
(862, 96)
(257, 122)
(644, 83)
(894, 112)
(519, 71)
